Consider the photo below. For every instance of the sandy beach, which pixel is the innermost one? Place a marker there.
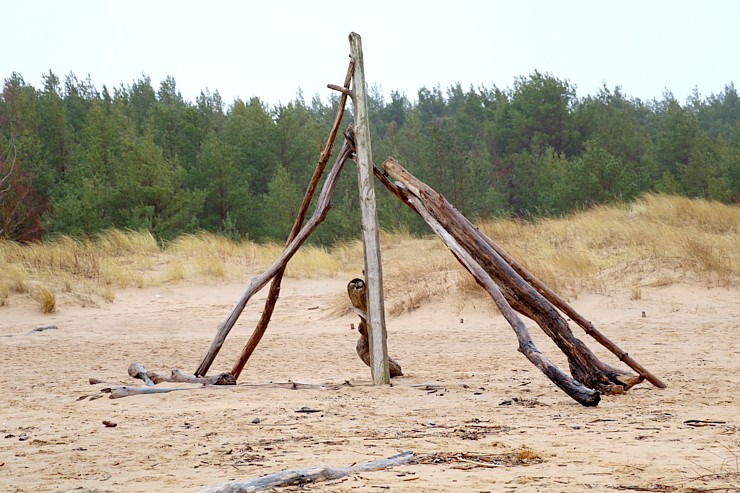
(476, 413)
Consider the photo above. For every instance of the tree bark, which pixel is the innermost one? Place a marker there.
(568, 310)
(370, 234)
(584, 365)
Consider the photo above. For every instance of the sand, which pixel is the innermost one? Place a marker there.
(491, 421)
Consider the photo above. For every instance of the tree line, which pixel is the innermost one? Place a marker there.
(76, 160)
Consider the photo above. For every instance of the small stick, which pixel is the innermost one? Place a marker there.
(180, 376)
(341, 89)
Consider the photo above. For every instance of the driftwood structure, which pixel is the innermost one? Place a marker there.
(514, 290)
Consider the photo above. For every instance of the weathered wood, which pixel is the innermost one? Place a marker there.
(257, 283)
(137, 370)
(308, 475)
(584, 365)
(178, 376)
(274, 291)
(117, 392)
(573, 388)
(370, 233)
(568, 310)
(545, 291)
(43, 328)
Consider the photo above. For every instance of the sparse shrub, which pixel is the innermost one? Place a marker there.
(46, 298)
(108, 294)
(526, 454)
(174, 272)
(18, 279)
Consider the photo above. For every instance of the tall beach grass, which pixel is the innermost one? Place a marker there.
(657, 240)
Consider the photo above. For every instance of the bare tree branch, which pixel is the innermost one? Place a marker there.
(5, 176)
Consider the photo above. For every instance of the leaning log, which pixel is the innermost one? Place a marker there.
(274, 291)
(576, 390)
(568, 310)
(308, 475)
(584, 365)
(257, 283)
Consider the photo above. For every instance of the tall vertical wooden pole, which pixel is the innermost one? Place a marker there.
(370, 233)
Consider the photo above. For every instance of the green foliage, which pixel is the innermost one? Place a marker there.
(75, 159)
(280, 206)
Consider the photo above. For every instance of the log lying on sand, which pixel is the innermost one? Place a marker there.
(308, 475)
(525, 299)
(150, 378)
(127, 391)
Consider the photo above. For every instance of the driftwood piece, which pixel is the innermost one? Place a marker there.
(127, 391)
(576, 390)
(181, 377)
(257, 283)
(274, 292)
(137, 370)
(370, 231)
(42, 329)
(584, 365)
(568, 310)
(356, 289)
(308, 475)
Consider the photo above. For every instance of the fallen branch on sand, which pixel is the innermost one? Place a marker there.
(127, 391)
(150, 378)
(308, 475)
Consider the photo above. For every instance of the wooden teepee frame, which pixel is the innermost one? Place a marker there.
(512, 287)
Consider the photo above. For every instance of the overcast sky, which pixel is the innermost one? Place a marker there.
(273, 48)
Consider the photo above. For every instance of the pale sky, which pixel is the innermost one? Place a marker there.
(273, 48)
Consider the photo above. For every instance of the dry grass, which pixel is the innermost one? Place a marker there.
(46, 299)
(655, 241)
